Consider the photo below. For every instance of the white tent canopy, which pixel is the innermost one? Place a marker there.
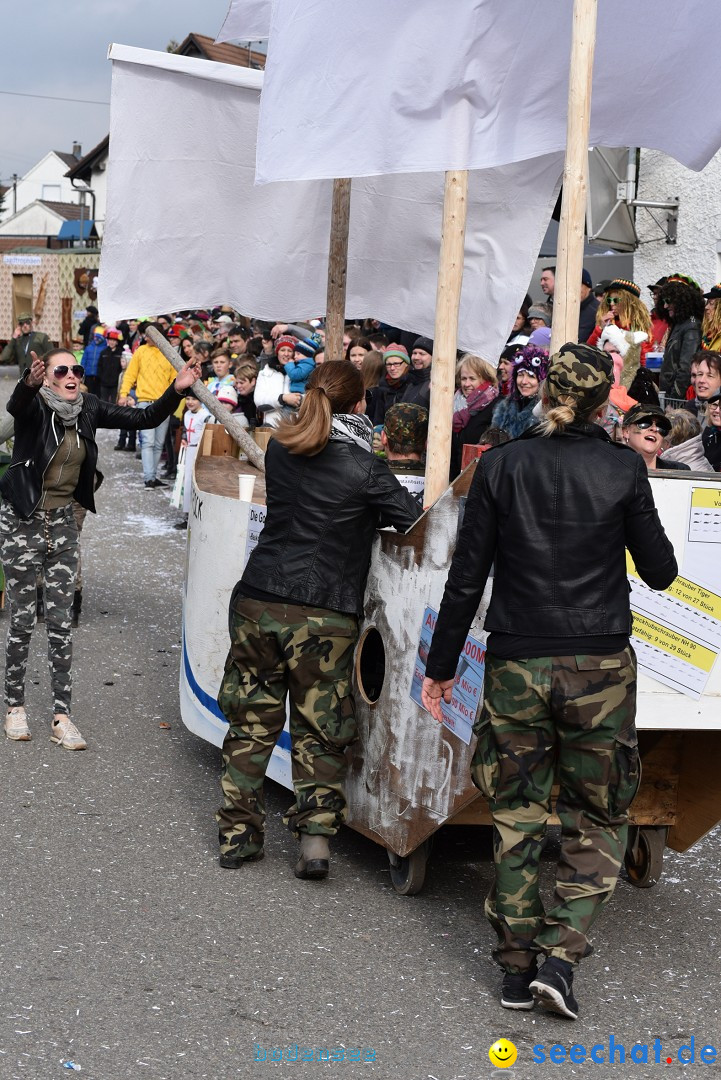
(379, 87)
(187, 227)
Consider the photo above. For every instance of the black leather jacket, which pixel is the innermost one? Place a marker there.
(557, 515)
(38, 433)
(322, 514)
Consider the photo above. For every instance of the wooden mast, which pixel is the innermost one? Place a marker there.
(445, 341)
(337, 269)
(569, 260)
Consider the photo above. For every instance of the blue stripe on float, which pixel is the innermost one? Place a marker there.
(211, 704)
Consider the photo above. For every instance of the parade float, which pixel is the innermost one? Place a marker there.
(409, 776)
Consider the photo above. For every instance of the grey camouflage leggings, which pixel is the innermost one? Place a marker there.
(44, 546)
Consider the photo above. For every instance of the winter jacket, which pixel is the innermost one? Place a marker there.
(711, 442)
(556, 514)
(39, 432)
(109, 367)
(682, 344)
(91, 354)
(417, 390)
(385, 395)
(269, 385)
(512, 416)
(298, 372)
(322, 513)
(587, 317)
(470, 435)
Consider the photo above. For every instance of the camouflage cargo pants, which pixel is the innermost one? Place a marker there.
(45, 546)
(305, 653)
(570, 717)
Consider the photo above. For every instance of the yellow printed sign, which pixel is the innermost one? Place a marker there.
(673, 643)
(706, 498)
(688, 592)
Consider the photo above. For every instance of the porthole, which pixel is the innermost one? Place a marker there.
(370, 665)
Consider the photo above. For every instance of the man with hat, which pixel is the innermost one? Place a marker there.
(418, 388)
(403, 438)
(554, 511)
(24, 342)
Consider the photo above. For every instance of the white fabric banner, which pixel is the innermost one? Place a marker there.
(398, 87)
(186, 227)
(246, 21)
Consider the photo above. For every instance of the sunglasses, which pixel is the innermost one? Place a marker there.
(614, 299)
(661, 426)
(62, 370)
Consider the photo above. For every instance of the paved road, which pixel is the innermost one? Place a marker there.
(124, 947)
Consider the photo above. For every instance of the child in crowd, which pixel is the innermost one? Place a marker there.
(300, 367)
(222, 375)
(246, 376)
(195, 418)
(91, 358)
(110, 366)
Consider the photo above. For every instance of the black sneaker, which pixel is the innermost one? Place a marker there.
(119, 446)
(155, 483)
(552, 988)
(515, 992)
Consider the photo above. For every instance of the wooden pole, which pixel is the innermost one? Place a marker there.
(337, 270)
(443, 371)
(253, 452)
(569, 261)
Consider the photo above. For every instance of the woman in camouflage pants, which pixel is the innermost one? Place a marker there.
(54, 459)
(294, 618)
(555, 511)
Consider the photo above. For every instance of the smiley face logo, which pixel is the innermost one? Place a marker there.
(502, 1054)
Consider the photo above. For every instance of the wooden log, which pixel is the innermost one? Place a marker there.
(569, 260)
(448, 298)
(337, 270)
(201, 391)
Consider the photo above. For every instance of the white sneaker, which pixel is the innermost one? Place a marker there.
(64, 733)
(16, 724)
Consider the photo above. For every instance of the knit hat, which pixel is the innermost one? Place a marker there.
(586, 278)
(532, 359)
(537, 311)
(541, 337)
(286, 341)
(684, 279)
(227, 394)
(625, 286)
(397, 351)
(423, 343)
(114, 335)
(307, 347)
(582, 372)
(225, 320)
(406, 428)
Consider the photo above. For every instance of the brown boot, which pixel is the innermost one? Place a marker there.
(314, 861)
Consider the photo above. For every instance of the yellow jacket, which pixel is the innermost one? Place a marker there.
(149, 372)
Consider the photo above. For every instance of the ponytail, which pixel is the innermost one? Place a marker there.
(333, 387)
(565, 410)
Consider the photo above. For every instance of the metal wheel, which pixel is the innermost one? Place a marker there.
(409, 872)
(644, 854)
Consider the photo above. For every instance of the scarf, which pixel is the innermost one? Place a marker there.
(68, 411)
(476, 400)
(353, 428)
(395, 383)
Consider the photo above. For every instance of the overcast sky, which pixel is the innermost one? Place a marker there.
(59, 48)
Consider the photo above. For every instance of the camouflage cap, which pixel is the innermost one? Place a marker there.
(582, 372)
(406, 428)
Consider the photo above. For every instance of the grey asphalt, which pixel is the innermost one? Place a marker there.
(126, 949)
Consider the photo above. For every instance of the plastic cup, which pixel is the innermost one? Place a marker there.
(246, 484)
